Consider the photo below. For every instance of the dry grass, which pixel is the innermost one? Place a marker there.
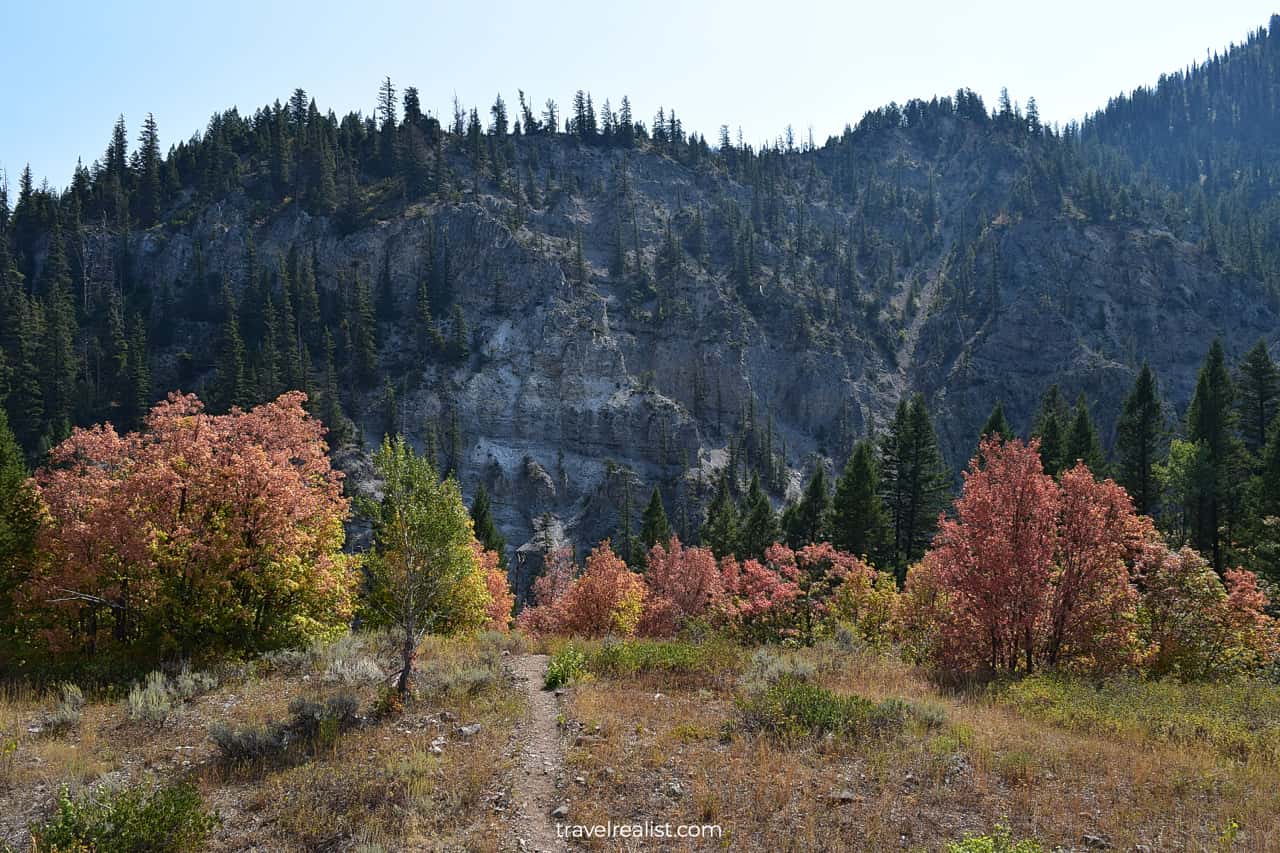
(918, 790)
(379, 786)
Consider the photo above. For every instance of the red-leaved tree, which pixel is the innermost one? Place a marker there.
(995, 560)
(683, 583)
(197, 535)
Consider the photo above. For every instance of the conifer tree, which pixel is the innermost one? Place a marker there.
(859, 524)
(19, 523)
(654, 527)
(720, 529)
(1082, 440)
(914, 481)
(808, 524)
(1051, 427)
(1259, 384)
(1139, 437)
(231, 387)
(758, 523)
(1211, 422)
(486, 530)
(997, 424)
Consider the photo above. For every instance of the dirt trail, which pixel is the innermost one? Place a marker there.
(536, 785)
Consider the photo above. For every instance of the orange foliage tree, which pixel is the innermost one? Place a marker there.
(197, 535)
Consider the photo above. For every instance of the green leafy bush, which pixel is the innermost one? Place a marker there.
(1236, 719)
(566, 665)
(999, 841)
(670, 657)
(128, 820)
(791, 709)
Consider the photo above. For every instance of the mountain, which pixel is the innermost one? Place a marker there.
(575, 310)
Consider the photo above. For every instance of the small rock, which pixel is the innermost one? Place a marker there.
(447, 717)
(842, 797)
(558, 693)
(587, 740)
(436, 749)
(1095, 842)
(910, 778)
(675, 789)
(35, 730)
(469, 731)
(657, 696)
(580, 780)
(561, 810)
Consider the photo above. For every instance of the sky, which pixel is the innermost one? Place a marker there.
(67, 70)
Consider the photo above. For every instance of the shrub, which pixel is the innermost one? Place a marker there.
(1193, 627)
(248, 744)
(157, 820)
(999, 841)
(151, 701)
(459, 678)
(669, 657)
(566, 665)
(768, 667)
(188, 684)
(792, 709)
(66, 712)
(313, 724)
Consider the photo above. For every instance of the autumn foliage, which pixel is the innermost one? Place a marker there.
(195, 536)
(1035, 572)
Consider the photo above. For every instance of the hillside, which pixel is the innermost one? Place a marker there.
(575, 311)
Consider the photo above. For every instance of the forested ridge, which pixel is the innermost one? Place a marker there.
(794, 293)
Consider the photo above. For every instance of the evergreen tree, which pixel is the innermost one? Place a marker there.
(19, 523)
(364, 334)
(997, 424)
(654, 527)
(859, 524)
(808, 524)
(486, 530)
(1050, 428)
(1139, 436)
(1211, 422)
(758, 527)
(1082, 441)
(1259, 384)
(231, 386)
(720, 529)
(914, 481)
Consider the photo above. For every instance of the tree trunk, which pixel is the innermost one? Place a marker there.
(408, 652)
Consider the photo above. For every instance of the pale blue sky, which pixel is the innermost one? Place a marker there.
(68, 69)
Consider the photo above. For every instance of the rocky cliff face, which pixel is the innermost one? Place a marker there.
(588, 384)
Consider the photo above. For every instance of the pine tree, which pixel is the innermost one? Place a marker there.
(808, 524)
(150, 185)
(914, 481)
(859, 524)
(654, 527)
(19, 523)
(720, 529)
(1140, 433)
(997, 424)
(231, 387)
(486, 530)
(364, 334)
(758, 527)
(58, 362)
(1050, 428)
(1082, 441)
(1259, 384)
(1211, 422)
